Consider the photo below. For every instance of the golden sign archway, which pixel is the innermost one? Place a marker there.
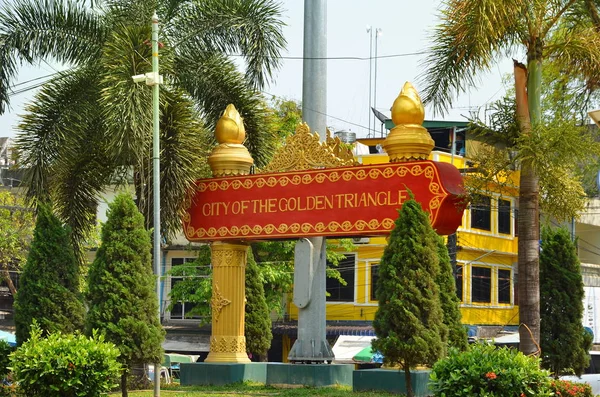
(311, 188)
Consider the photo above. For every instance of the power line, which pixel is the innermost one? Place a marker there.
(342, 58)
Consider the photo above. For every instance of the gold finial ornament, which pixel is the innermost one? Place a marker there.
(230, 127)
(408, 140)
(230, 157)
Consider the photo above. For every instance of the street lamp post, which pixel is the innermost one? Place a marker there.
(370, 32)
(378, 32)
(154, 79)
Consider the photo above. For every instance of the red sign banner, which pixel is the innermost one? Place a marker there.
(348, 201)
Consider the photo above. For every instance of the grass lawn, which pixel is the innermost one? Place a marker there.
(249, 389)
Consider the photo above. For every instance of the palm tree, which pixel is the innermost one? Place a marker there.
(472, 35)
(90, 126)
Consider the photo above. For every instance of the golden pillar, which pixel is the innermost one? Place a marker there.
(408, 140)
(227, 340)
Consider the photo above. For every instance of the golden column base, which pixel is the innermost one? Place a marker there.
(228, 303)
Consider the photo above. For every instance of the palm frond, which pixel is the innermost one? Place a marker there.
(130, 12)
(576, 49)
(169, 9)
(252, 28)
(81, 172)
(214, 82)
(556, 152)
(33, 30)
(43, 129)
(471, 36)
(499, 126)
(183, 154)
(61, 146)
(127, 106)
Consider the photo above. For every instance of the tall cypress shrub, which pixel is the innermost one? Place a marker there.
(565, 344)
(49, 285)
(121, 289)
(409, 321)
(258, 319)
(457, 333)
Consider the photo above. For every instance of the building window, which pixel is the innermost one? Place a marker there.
(481, 215)
(374, 280)
(503, 286)
(337, 291)
(481, 284)
(504, 213)
(459, 282)
(181, 309)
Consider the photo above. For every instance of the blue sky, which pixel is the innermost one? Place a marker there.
(405, 30)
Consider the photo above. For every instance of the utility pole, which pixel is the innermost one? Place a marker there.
(378, 33)
(154, 79)
(370, 32)
(156, 178)
(310, 259)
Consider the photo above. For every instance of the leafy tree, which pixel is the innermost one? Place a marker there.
(471, 36)
(16, 222)
(195, 285)
(49, 291)
(121, 290)
(409, 320)
(258, 317)
(88, 127)
(275, 260)
(457, 333)
(565, 344)
(287, 114)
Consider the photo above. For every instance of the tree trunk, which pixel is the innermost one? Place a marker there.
(409, 390)
(529, 266)
(124, 382)
(9, 282)
(527, 94)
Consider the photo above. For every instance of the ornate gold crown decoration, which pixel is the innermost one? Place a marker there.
(230, 157)
(408, 140)
(304, 150)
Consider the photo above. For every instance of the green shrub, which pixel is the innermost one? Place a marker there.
(8, 389)
(5, 350)
(486, 371)
(567, 388)
(65, 365)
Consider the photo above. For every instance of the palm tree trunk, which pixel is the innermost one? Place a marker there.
(527, 87)
(409, 390)
(529, 269)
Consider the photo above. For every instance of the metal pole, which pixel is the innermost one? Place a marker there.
(311, 345)
(314, 67)
(156, 179)
(377, 31)
(370, 31)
